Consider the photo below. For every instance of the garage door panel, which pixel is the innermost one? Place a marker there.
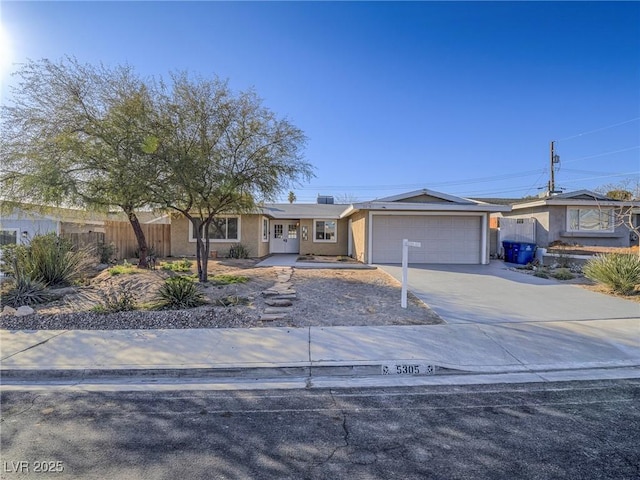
(444, 238)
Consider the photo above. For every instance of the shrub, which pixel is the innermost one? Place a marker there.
(106, 253)
(48, 259)
(223, 279)
(618, 271)
(231, 301)
(8, 255)
(179, 292)
(25, 292)
(563, 274)
(183, 265)
(125, 269)
(239, 251)
(122, 301)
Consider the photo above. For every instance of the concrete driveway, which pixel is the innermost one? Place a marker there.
(491, 294)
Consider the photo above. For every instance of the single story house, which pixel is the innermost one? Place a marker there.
(451, 229)
(20, 224)
(581, 217)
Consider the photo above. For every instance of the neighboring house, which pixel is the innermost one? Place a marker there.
(22, 224)
(582, 217)
(86, 228)
(451, 229)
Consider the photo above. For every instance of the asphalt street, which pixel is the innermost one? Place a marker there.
(564, 430)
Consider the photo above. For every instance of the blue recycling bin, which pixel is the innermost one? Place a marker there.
(519, 252)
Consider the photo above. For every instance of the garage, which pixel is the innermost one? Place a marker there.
(445, 238)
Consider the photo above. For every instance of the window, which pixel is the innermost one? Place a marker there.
(590, 219)
(265, 229)
(220, 229)
(8, 237)
(325, 231)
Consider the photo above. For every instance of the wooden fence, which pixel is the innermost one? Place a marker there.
(121, 235)
(85, 239)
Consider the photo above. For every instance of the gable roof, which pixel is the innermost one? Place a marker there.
(429, 200)
(578, 197)
(423, 196)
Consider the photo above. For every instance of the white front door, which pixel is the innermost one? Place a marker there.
(284, 236)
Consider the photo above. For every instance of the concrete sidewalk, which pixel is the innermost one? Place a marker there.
(453, 349)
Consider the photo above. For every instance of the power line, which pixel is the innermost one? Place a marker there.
(601, 154)
(599, 129)
(421, 185)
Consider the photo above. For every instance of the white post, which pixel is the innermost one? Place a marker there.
(405, 272)
(405, 268)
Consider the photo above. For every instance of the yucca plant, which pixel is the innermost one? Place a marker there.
(25, 292)
(179, 292)
(618, 271)
(48, 259)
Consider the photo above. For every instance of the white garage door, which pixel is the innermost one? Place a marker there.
(445, 239)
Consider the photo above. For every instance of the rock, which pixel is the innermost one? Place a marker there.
(276, 302)
(8, 311)
(102, 266)
(270, 317)
(24, 310)
(270, 310)
(288, 296)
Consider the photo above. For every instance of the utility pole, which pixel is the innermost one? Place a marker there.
(553, 159)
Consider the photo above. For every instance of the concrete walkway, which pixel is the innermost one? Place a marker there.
(491, 337)
(291, 260)
(488, 349)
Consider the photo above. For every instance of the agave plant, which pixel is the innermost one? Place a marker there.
(179, 292)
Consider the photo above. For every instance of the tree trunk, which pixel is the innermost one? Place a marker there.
(142, 241)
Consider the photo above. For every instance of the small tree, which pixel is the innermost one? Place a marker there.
(77, 134)
(219, 152)
(291, 197)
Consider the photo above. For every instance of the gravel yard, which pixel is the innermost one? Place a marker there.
(324, 297)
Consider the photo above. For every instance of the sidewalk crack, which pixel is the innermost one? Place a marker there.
(34, 346)
(502, 347)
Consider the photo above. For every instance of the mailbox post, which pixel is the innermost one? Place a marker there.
(405, 268)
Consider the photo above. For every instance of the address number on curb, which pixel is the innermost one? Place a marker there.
(408, 369)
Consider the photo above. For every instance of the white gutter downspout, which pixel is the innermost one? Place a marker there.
(370, 238)
(350, 239)
(483, 255)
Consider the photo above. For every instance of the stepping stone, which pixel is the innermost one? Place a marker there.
(289, 296)
(270, 317)
(270, 293)
(270, 310)
(278, 302)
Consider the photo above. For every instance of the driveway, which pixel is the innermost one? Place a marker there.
(492, 294)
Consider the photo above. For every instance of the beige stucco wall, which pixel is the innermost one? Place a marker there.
(309, 246)
(359, 229)
(250, 236)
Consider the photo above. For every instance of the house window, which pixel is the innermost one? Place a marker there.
(325, 231)
(265, 229)
(221, 229)
(8, 237)
(590, 219)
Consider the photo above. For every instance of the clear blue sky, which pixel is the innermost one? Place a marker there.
(459, 97)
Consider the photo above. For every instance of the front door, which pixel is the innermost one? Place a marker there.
(284, 236)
